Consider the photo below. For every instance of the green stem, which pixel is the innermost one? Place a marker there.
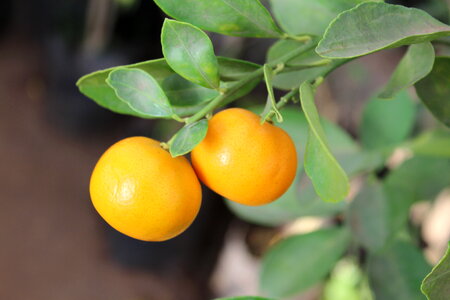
(236, 86)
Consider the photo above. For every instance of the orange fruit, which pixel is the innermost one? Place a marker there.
(143, 192)
(243, 160)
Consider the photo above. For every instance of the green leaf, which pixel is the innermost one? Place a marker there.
(300, 261)
(291, 80)
(432, 143)
(188, 137)
(329, 180)
(190, 53)
(306, 16)
(369, 28)
(94, 85)
(183, 93)
(140, 91)
(397, 272)
(235, 69)
(230, 17)
(436, 286)
(415, 65)
(434, 90)
(387, 123)
(368, 216)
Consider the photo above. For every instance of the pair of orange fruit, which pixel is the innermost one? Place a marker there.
(145, 193)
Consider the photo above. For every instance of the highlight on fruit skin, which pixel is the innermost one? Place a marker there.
(143, 192)
(243, 160)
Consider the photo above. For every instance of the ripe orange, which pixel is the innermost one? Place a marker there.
(141, 191)
(243, 160)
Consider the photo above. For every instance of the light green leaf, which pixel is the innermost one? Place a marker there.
(300, 261)
(434, 90)
(436, 286)
(231, 17)
(190, 53)
(94, 85)
(140, 91)
(387, 123)
(306, 16)
(188, 137)
(235, 69)
(329, 180)
(369, 27)
(291, 80)
(432, 143)
(415, 65)
(397, 272)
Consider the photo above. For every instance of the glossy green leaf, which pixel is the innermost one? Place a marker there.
(291, 80)
(434, 90)
(140, 91)
(235, 69)
(369, 27)
(94, 85)
(188, 137)
(306, 16)
(300, 261)
(329, 180)
(436, 286)
(397, 272)
(190, 53)
(432, 143)
(386, 123)
(230, 17)
(415, 65)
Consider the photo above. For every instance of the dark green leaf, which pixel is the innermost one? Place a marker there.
(94, 85)
(291, 80)
(301, 261)
(432, 143)
(188, 137)
(306, 16)
(235, 69)
(397, 272)
(436, 286)
(415, 65)
(369, 27)
(386, 123)
(189, 52)
(140, 91)
(434, 90)
(329, 180)
(230, 17)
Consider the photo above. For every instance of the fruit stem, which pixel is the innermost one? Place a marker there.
(258, 73)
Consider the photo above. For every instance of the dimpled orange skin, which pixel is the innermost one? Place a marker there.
(243, 160)
(141, 191)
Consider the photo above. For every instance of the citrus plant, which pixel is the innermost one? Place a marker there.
(280, 160)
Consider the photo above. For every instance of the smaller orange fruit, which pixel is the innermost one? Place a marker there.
(143, 192)
(243, 160)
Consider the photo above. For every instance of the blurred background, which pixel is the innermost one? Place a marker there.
(53, 243)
